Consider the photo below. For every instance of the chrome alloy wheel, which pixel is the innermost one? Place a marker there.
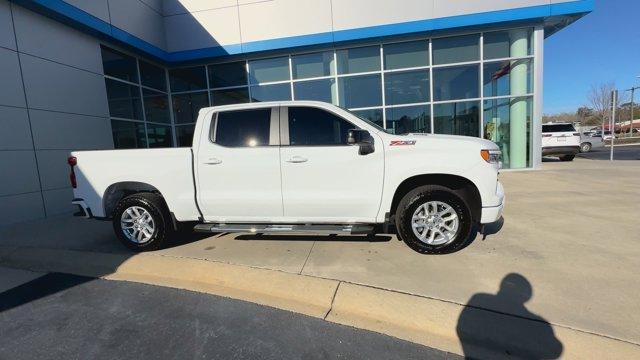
(137, 224)
(435, 223)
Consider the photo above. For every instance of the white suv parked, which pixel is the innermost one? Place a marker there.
(295, 166)
(560, 139)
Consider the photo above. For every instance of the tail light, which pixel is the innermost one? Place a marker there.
(72, 161)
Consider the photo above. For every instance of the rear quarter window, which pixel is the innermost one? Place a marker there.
(243, 128)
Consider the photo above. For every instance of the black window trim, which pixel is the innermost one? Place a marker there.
(284, 126)
(274, 117)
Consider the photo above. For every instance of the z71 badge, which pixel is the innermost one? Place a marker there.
(402, 142)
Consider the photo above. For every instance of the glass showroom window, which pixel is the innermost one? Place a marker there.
(475, 85)
(138, 101)
(508, 94)
(189, 93)
(270, 79)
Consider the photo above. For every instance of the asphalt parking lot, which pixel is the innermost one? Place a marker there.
(566, 254)
(80, 317)
(620, 152)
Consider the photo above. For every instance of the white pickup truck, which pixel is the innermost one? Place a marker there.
(295, 166)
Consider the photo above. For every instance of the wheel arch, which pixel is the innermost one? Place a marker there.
(117, 191)
(464, 187)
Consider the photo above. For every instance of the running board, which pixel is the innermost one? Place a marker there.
(353, 229)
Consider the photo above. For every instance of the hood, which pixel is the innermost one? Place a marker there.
(446, 141)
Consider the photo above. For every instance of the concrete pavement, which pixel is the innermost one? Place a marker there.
(569, 231)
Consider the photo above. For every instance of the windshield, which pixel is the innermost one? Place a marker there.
(378, 127)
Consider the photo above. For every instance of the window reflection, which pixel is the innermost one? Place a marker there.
(319, 90)
(356, 60)
(406, 87)
(360, 91)
(267, 70)
(124, 100)
(456, 82)
(271, 92)
(409, 119)
(459, 118)
(456, 49)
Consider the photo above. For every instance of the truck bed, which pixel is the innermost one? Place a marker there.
(169, 170)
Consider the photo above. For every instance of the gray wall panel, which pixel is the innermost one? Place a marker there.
(444, 8)
(351, 14)
(283, 18)
(21, 207)
(173, 7)
(14, 129)
(23, 174)
(11, 92)
(54, 170)
(138, 19)
(58, 202)
(97, 8)
(53, 130)
(7, 38)
(200, 26)
(52, 40)
(155, 5)
(52, 86)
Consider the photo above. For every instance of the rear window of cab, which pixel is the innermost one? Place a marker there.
(558, 128)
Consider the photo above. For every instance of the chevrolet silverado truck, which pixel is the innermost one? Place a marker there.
(292, 167)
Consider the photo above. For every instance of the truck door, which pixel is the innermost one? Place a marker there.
(324, 179)
(238, 167)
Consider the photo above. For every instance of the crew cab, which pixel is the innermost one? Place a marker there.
(295, 166)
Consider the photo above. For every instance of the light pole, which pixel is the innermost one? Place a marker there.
(633, 90)
(612, 123)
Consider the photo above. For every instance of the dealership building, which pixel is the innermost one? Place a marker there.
(104, 74)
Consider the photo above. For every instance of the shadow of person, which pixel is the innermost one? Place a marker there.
(500, 325)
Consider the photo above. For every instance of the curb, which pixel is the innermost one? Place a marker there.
(421, 320)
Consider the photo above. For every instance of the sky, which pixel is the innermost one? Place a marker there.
(603, 46)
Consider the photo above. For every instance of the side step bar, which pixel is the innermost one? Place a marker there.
(350, 229)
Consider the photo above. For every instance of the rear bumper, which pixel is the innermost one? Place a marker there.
(560, 150)
(493, 213)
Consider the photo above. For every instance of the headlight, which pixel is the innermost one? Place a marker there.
(492, 157)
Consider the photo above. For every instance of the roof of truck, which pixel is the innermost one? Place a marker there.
(254, 105)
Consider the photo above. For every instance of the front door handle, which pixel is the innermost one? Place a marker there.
(297, 159)
(213, 161)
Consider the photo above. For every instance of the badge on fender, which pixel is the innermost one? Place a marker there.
(402, 142)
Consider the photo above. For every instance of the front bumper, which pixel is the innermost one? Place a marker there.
(493, 213)
(560, 150)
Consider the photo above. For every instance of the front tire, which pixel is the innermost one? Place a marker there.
(567, 157)
(142, 222)
(434, 219)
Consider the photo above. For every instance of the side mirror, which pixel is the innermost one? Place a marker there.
(363, 139)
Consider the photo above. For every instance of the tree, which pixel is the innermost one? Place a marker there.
(599, 97)
(583, 113)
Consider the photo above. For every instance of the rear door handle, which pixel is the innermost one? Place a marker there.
(213, 161)
(297, 159)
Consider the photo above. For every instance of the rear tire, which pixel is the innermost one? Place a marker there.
(430, 209)
(567, 157)
(142, 222)
(585, 147)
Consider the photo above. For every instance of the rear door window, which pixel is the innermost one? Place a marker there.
(558, 128)
(243, 128)
(310, 126)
